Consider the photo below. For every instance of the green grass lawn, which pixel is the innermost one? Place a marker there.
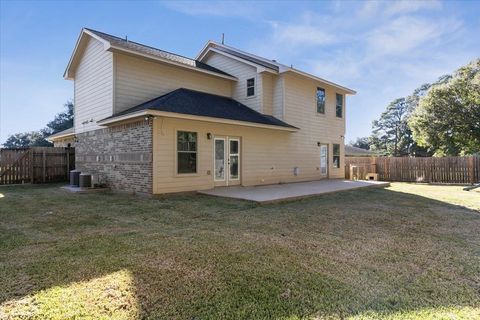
(405, 252)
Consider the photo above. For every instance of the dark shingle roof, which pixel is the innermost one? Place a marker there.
(203, 104)
(141, 48)
(246, 57)
(62, 133)
(355, 151)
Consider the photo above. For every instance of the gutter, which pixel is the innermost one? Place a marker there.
(155, 113)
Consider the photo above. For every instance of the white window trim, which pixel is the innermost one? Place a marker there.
(238, 155)
(176, 154)
(324, 102)
(339, 155)
(224, 159)
(343, 106)
(254, 87)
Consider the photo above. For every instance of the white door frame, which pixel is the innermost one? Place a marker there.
(324, 147)
(227, 179)
(230, 154)
(224, 139)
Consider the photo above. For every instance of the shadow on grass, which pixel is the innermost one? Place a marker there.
(363, 253)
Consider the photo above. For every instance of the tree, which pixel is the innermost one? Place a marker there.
(363, 143)
(413, 100)
(447, 119)
(62, 121)
(27, 139)
(391, 134)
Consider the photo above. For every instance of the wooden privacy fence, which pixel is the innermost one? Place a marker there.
(36, 165)
(461, 170)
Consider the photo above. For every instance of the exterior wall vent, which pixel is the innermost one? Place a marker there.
(296, 171)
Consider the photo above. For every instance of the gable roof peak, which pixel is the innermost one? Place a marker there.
(268, 65)
(123, 45)
(252, 58)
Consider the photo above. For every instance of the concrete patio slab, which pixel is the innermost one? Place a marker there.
(291, 191)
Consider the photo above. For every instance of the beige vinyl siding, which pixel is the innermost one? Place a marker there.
(267, 94)
(265, 157)
(242, 72)
(300, 111)
(139, 80)
(278, 96)
(93, 87)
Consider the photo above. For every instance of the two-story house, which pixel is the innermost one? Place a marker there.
(151, 121)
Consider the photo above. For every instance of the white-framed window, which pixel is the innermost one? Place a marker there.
(320, 100)
(186, 152)
(250, 87)
(336, 155)
(339, 108)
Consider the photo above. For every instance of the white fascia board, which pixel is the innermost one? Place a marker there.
(192, 117)
(106, 46)
(122, 118)
(282, 68)
(204, 50)
(305, 74)
(61, 136)
(213, 43)
(258, 67)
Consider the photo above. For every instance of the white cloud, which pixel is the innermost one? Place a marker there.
(383, 50)
(387, 9)
(407, 33)
(213, 8)
(409, 6)
(369, 9)
(301, 35)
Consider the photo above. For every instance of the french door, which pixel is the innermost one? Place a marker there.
(324, 160)
(226, 161)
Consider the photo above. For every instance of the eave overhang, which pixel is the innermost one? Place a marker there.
(155, 113)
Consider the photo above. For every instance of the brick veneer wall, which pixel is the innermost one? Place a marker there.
(119, 156)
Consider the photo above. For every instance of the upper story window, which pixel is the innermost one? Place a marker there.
(321, 100)
(186, 152)
(336, 155)
(339, 108)
(250, 87)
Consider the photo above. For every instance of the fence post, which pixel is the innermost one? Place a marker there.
(68, 162)
(44, 166)
(32, 168)
(471, 169)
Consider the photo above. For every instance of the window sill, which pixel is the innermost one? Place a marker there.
(186, 175)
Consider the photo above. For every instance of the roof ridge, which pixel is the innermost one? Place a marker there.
(144, 45)
(256, 56)
(125, 44)
(108, 34)
(248, 57)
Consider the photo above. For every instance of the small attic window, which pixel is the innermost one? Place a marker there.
(250, 87)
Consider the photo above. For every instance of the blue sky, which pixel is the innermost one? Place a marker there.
(384, 50)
